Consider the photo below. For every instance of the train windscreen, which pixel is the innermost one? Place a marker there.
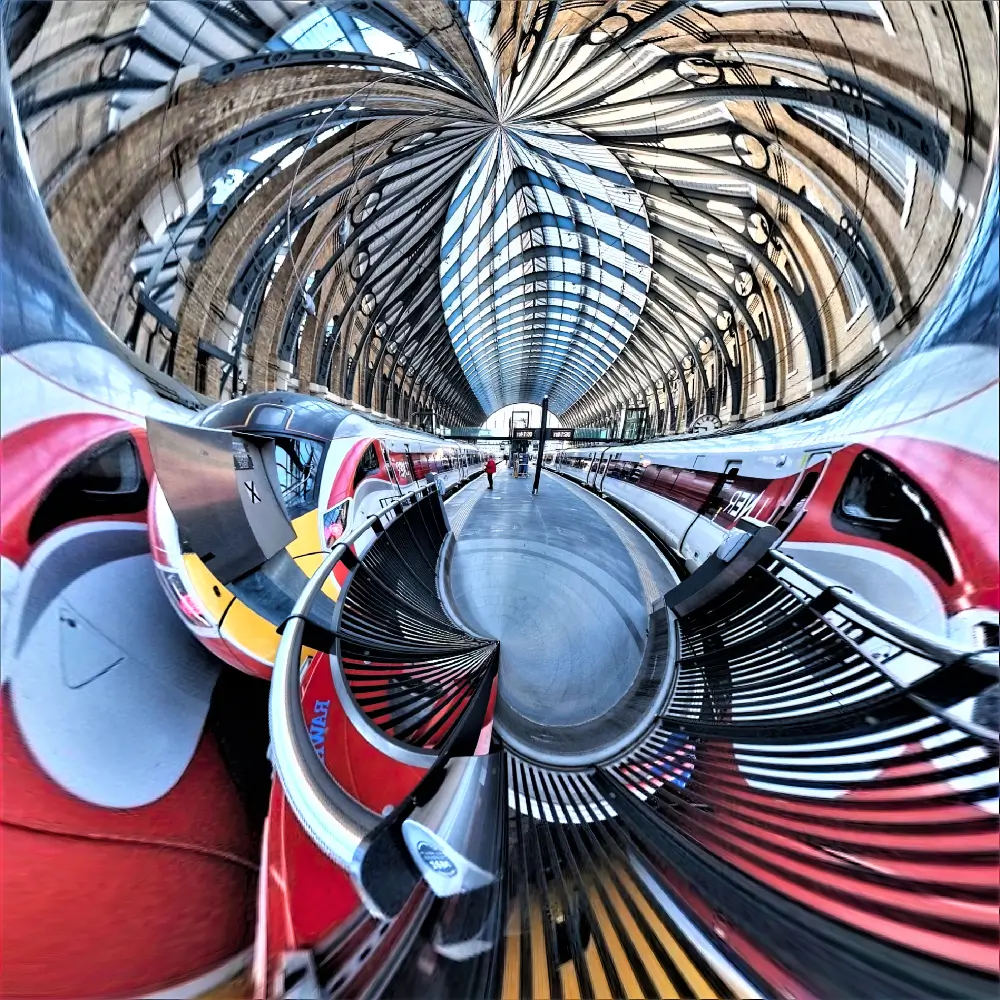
(299, 462)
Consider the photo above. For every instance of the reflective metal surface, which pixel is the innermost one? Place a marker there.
(567, 586)
(447, 838)
(222, 496)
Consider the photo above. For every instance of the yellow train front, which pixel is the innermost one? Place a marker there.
(333, 467)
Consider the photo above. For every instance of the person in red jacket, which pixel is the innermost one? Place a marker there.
(491, 467)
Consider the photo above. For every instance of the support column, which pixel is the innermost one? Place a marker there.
(541, 444)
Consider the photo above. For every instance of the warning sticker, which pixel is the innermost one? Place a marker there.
(241, 457)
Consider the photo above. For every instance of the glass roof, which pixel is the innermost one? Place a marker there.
(549, 199)
(545, 265)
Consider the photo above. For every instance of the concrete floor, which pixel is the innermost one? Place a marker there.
(565, 584)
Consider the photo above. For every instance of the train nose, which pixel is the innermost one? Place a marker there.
(111, 704)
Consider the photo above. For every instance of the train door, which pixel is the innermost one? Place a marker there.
(808, 479)
(598, 469)
(390, 466)
(702, 535)
(605, 465)
(413, 469)
(592, 469)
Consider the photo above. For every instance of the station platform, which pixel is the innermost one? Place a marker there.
(567, 585)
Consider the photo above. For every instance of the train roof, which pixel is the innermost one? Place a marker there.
(279, 411)
(274, 412)
(923, 387)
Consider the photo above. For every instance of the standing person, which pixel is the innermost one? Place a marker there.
(491, 467)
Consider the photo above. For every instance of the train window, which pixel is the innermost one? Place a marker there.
(298, 461)
(665, 479)
(420, 465)
(880, 502)
(694, 489)
(368, 464)
(268, 416)
(988, 634)
(799, 501)
(105, 481)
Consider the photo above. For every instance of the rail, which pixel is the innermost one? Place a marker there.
(336, 822)
(813, 812)
(818, 766)
(916, 639)
(404, 671)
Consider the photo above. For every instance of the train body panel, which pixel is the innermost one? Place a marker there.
(121, 821)
(894, 496)
(335, 468)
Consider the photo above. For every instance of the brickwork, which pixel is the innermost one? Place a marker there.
(60, 139)
(938, 60)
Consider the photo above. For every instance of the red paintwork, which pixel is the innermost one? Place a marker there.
(964, 486)
(235, 657)
(773, 498)
(367, 774)
(966, 489)
(35, 455)
(119, 902)
(343, 482)
(306, 895)
(777, 977)
(486, 733)
(156, 547)
(109, 902)
(790, 858)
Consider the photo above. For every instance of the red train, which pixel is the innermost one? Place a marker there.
(335, 468)
(129, 860)
(897, 501)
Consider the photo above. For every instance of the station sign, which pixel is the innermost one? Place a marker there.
(551, 433)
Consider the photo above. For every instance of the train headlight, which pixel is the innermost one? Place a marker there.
(187, 607)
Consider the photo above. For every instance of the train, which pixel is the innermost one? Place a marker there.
(336, 467)
(122, 819)
(896, 502)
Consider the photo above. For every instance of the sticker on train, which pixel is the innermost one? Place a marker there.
(335, 522)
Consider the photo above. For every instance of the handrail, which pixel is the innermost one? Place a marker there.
(917, 639)
(335, 821)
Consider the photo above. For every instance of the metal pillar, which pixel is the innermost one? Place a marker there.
(541, 444)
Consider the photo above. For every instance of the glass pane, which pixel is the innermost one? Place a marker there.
(299, 462)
